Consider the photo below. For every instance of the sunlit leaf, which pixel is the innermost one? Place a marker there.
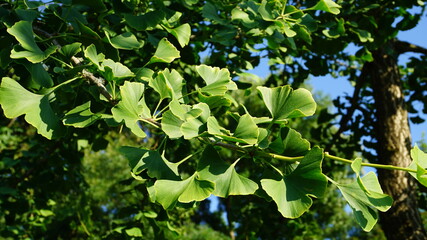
(284, 102)
(419, 163)
(247, 130)
(363, 200)
(125, 41)
(70, 50)
(132, 107)
(227, 181)
(118, 70)
(292, 193)
(327, 6)
(23, 32)
(168, 84)
(168, 193)
(171, 124)
(16, 101)
(91, 53)
(166, 52)
(181, 33)
(217, 80)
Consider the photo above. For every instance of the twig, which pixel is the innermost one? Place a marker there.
(403, 47)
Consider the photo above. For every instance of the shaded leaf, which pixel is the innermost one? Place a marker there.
(327, 6)
(81, 116)
(227, 181)
(39, 74)
(70, 50)
(125, 41)
(247, 130)
(145, 21)
(292, 193)
(291, 143)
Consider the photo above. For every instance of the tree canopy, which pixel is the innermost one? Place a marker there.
(91, 90)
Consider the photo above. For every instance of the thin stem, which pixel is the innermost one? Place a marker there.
(284, 158)
(151, 122)
(382, 166)
(59, 60)
(189, 156)
(157, 107)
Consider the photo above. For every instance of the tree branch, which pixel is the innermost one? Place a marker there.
(404, 47)
(90, 77)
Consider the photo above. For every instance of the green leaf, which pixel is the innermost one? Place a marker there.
(192, 128)
(419, 164)
(227, 181)
(132, 107)
(247, 130)
(168, 84)
(266, 9)
(70, 50)
(290, 143)
(292, 193)
(16, 101)
(146, 21)
(364, 196)
(284, 102)
(166, 52)
(23, 32)
(118, 70)
(171, 124)
(134, 232)
(91, 53)
(155, 164)
(81, 116)
(168, 193)
(327, 6)
(181, 33)
(125, 41)
(39, 75)
(217, 80)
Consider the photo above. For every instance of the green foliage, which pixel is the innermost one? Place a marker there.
(95, 67)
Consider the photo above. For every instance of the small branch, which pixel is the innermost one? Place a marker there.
(404, 47)
(382, 166)
(98, 81)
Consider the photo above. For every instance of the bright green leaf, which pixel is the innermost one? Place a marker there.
(284, 102)
(327, 6)
(118, 70)
(134, 232)
(132, 107)
(292, 193)
(171, 124)
(91, 53)
(181, 33)
(81, 116)
(419, 164)
(227, 181)
(168, 193)
(168, 84)
(217, 80)
(16, 101)
(70, 50)
(23, 32)
(166, 52)
(247, 130)
(364, 199)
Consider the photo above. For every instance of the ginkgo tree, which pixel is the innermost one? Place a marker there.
(135, 65)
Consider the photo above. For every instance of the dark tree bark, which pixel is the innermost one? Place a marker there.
(392, 131)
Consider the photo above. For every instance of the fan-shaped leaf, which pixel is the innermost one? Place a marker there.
(419, 164)
(217, 80)
(166, 52)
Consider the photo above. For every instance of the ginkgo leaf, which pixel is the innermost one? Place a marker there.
(290, 143)
(168, 84)
(284, 102)
(227, 181)
(419, 163)
(364, 199)
(217, 80)
(126, 41)
(39, 74)
(132, 107)
(166, 52)
(23, 32)
(117, 69)
(327, 6)
(81, 116)
(171, 124)
(91, 53)
(71, 49)
(16, 101)
(181, 33)
(168, 192)
(292, 193)
(155, 164)
(247, 130)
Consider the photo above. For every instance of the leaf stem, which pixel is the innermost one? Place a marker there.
(374, 165)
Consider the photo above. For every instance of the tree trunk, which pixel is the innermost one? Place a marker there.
(403, 220)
